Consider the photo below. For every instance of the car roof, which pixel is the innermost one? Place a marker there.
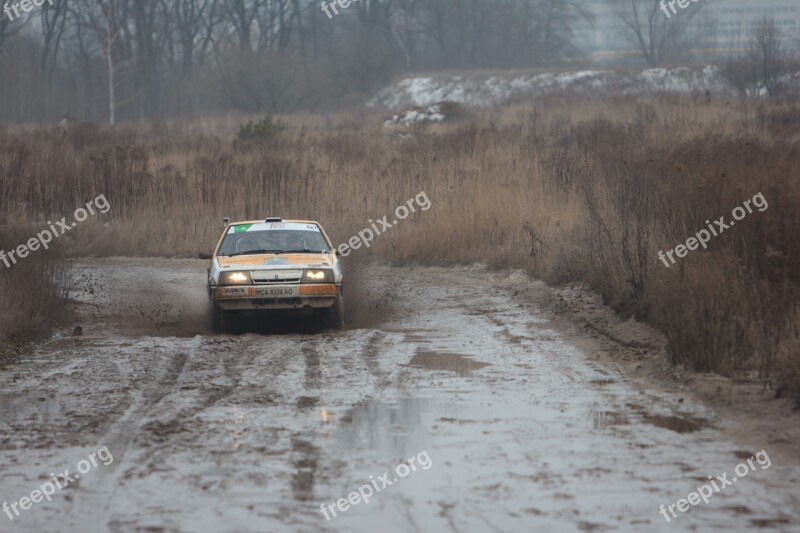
(262, 221)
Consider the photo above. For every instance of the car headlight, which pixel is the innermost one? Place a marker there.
(318, 276)
(235, 278)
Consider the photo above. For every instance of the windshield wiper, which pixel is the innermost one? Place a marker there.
(256, 252)
(305, 251)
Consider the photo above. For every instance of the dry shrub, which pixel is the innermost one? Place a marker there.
(782, 122)
(33, 291)
(643, 192)
(711, 313)
(788, 358)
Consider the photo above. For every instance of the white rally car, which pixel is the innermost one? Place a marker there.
(275, 264)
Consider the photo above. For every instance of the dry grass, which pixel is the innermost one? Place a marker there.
(32, 292)
(570, 190)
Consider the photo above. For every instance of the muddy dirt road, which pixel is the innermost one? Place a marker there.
(254, 432)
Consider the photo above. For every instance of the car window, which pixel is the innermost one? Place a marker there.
(257, 240)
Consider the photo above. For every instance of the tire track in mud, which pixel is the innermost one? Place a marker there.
(212, 374)
(313, 372)
(305, 460)
(306, 456)
(371, 353)
(321, 358)
(285, 357)
(122, 432)
(161, 430)
(152, 435)
(256, 368)
(505, 330)
(237, 357)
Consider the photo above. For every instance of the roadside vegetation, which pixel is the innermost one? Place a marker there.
(32, 294)
(568, 189)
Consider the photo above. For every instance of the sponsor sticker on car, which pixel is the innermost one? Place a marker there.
(234, 292)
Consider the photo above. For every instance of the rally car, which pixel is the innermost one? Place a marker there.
(275, 265)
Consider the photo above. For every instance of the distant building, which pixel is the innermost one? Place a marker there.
(726, 26)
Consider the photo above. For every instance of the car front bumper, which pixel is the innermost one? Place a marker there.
(255, 297)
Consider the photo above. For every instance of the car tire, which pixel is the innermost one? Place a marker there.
(334, 315)
(218, 318)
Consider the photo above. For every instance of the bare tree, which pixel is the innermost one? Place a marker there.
(402, 24)
(274, 22)
(52, 20)
(111, 35)
(187, 16)
(9, 28)
(241, 14)
(554, 22)
(152, 31)
(657, 34)
(765, 65)
(110, 19)
(124, 59)
(767, 53)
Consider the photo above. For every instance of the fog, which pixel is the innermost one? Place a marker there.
(123, 60)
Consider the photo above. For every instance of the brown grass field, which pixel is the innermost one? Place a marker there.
(568, 189)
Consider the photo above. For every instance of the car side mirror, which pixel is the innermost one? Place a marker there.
(205, 255)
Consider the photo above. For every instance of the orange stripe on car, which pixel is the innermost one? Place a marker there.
(318, 290)
(259, 260)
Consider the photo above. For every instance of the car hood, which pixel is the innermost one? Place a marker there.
(275, 261)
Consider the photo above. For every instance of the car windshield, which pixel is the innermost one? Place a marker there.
(273, 238)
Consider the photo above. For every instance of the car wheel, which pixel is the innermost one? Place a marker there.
(218, 318)
(334, 315)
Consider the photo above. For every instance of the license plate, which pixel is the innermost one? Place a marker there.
(278, 292)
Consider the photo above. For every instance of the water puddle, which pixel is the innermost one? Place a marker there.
(44, 407)
(389, 428)
(676, 423)
(769, 522)
(605, 419)
(743, 454)
(418, 338)
(453, 362)
(88, 341)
